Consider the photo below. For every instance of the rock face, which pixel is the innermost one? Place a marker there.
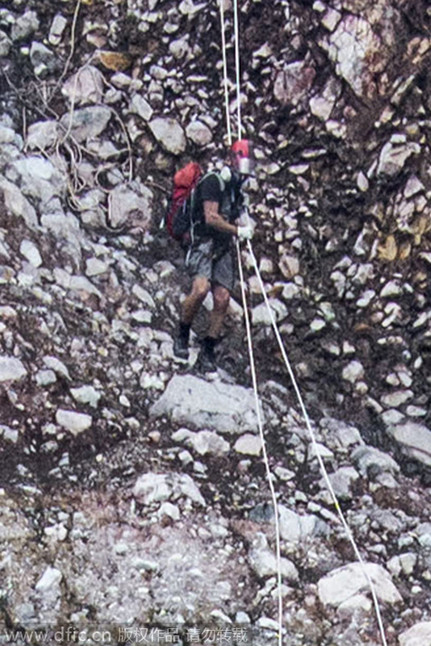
(132, 493)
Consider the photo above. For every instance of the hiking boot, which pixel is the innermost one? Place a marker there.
(206, 361)
(181, 347)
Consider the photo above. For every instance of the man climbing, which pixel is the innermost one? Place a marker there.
(210, 259)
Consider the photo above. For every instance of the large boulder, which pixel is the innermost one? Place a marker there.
(349, 581)
(202, 404)
(413, 440)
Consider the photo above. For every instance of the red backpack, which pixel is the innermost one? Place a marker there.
(178, 218)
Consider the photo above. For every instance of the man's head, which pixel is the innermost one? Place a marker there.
(241, 157)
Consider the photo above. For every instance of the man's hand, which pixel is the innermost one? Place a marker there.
(245, 232)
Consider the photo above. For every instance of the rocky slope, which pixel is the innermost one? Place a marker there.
(133, 493)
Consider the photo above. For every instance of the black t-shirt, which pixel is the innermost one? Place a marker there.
(229, 199)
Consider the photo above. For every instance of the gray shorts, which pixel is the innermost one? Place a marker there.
(215, 262)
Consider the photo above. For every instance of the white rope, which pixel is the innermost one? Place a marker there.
(247, 319)
(289, 369)
(263, 443)
(237, 66)
(314, 442)
(225, 79)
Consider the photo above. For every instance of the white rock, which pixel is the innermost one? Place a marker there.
(9, 434)
(11, 369)
(169, 134)
(169, 510)
(31, 252)
(397, 398)
(293, 527)
(417, 635)
(264, 561)
(394, 156)
(45, 377)
(86, 123)
(42, 134)
(144, 296)
(199, 133)
(57, 366)
(342, 480)
(58, 26)
(345, 582)
(5, 44)
(85, 86)
(95, 267)
(353, 372)
(86, 395)
(141, 107)
(40, 178)
(72, 421)
(17, 204)
(131, 204)
(50, 579)
(331, 19)
(204, 442)
(214, 405)
(261, 316)
(413, 439)
(413, 187)
(371, 462)
(248, 444)
(158, 487)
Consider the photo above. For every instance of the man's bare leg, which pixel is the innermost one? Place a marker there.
(193, 301)
(221, 297)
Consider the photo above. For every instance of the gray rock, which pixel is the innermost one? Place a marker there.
(264, 561)
(85, 86)
(42, 58)
(131, 205)
(261, 316)
(158, 487)
(342, 480)
(248, 444)
(414, 440)
(25, 25)
(57, 366)
(198, 403)
(292, 84)
(295, 528)
(17, 204)
(169, 134)
(45, 377)
(39, 177)
(351, 46)
(56, 31)
(86, 395)
(397, 398)
(42, 135)
(11, 369)
(353, 372)
(394, 156)
(199, 133)
(417, 635)
(86, 123)
(72, 421)
(203, 442)
(371, 462)
(346, 582)
(141, 107)
(31, 252)
(50, 579)
(5, 44)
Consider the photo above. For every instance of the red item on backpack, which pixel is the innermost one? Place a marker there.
(185, 181)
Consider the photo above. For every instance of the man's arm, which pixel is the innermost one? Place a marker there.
(217, 221)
